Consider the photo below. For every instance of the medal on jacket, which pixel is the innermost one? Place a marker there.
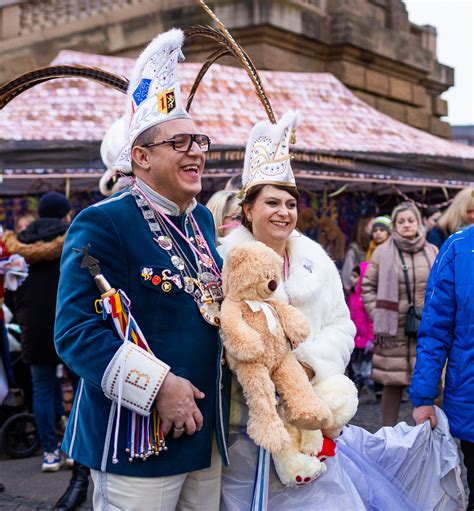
(208, 297)
(206, 286)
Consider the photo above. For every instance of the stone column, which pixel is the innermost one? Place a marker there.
(9, 21)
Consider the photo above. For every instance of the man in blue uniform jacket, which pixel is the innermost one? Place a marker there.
(155, 243)
(447, 334)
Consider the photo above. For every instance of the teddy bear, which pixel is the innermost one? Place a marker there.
(303, 460)
(258, 335)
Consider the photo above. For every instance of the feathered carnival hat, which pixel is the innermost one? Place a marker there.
(154, 92)
(267, 156)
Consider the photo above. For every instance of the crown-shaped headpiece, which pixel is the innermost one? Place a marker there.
(267, 156)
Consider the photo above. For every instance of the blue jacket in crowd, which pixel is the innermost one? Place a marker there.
(447, 333)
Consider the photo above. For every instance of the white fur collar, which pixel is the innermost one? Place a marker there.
(309, 264)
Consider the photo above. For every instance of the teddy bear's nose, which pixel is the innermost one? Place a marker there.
(272, 285)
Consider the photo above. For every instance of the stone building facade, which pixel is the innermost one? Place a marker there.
(370, 45)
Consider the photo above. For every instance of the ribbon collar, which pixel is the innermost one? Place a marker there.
(267, 310)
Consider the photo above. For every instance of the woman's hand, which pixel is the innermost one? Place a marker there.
(425, 413)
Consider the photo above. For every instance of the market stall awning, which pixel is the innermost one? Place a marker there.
(55, 129)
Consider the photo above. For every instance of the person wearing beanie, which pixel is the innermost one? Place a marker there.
(381, 230)
(34, 304)
(54, 205)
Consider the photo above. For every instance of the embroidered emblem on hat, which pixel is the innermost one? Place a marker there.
(166, 102)
(141, 92)
(156, 280)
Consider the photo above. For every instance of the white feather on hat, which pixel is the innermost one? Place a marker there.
(267, 155)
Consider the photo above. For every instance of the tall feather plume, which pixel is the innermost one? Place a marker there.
(225, 38)
(214, 57)
(13, 88)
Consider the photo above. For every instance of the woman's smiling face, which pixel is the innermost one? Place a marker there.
(273, 215)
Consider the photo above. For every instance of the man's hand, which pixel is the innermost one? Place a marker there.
(176, 405)
(309, 372)
(425, 413)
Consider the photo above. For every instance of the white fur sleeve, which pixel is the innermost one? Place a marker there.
(328, 351)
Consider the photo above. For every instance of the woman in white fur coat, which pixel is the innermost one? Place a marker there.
(313, 285)
(360, 476)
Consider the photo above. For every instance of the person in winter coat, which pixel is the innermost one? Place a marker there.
(447, 334)
(357, 249)
(386, 299)
(460, 214)
(34, 304)
(361, 358)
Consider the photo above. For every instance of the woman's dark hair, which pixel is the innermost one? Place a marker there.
(254, 192)
(429, 211)
(356, 270)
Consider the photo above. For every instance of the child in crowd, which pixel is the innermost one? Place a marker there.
(361, 358)
(381, 230)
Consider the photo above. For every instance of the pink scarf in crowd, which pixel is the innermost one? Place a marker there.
(386, 305)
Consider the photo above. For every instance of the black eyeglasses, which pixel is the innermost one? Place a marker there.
(184, 141)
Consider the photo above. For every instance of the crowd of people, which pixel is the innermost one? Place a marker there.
(158, 418)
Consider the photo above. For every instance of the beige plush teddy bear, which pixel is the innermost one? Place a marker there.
(257, 333)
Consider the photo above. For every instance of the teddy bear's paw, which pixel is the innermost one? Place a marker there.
(311, 442)
(299, 332)
(297, 470)
(314, 417)
(271, 436)
(340, 395)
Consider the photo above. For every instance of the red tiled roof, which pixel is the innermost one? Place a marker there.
(225, 107)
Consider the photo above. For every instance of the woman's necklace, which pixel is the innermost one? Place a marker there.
(201, 280)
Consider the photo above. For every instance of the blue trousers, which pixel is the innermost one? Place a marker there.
(47, 403)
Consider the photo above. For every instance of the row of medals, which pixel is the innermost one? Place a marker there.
(206, 288)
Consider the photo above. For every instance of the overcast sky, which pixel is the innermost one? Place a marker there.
(454, 21)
